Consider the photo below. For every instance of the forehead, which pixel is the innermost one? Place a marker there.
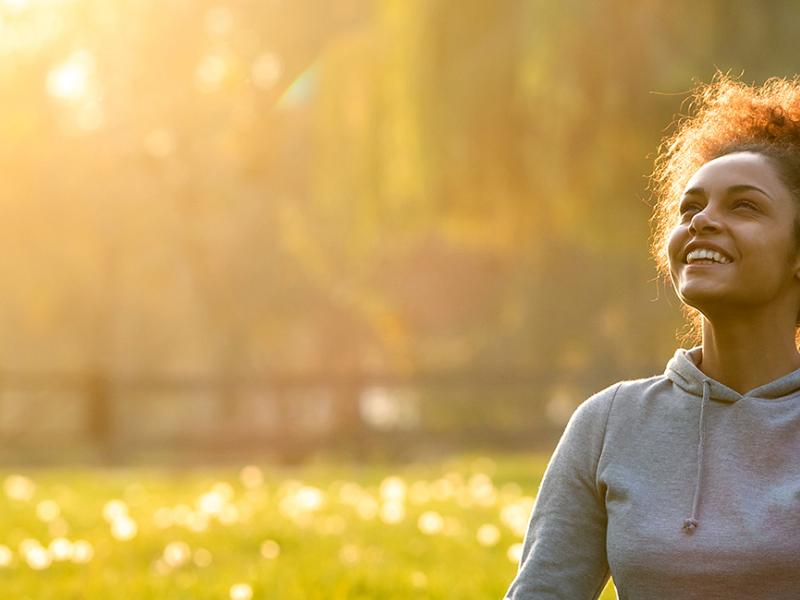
(737, 169)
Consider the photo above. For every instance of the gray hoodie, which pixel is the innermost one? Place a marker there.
(675, 485)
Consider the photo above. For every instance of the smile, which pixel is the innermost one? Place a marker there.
(705, 264)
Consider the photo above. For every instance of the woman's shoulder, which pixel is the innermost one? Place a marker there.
(623, 395)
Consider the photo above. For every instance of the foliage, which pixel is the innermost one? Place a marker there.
(429, 530)
(215, 186)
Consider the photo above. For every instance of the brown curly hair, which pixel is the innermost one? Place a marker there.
(725, 116)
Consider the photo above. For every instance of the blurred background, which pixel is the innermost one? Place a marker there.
(382, 228)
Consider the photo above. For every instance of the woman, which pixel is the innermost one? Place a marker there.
(687, 484)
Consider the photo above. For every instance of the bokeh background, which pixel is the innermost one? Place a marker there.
(363, 230)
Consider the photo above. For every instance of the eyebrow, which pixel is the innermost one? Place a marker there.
(742, 187)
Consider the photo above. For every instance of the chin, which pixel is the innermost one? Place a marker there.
(698, 298)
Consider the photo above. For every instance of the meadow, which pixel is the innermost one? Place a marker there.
(443, 529)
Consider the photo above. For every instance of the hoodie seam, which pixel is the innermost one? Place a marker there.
(603, 442)
(771, 400)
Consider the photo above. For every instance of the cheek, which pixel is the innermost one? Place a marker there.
(675, 244)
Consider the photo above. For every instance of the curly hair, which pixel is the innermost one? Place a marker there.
(725, 116)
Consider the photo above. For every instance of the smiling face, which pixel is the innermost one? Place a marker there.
(737, 205)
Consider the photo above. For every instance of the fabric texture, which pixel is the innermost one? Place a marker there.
(677, 486)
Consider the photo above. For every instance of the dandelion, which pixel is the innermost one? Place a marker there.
(176, 554)
(482, 489)
(515, 552)
(161, 567)
(488, 535)
(6, 556)
(47, 510)
(58, 527)
(442, 489)
(162, 517)
(516, 515)
(350, 493)
(298, 502)
(82, 551)
(19, 487)
(229, 515)
(419, 579)
(27, 544)
(367, 507)
(124, 528)
(196, 521)
(419, 493)
(483, 464)
(60, 549)
(349, 554)
(181, 514)
(270, 549)
(392, 512)
(393, 489)
(114, 509)
(309, 498)
(241, 591)
(202, 557)
(452, 526)
(37, 557)
(510, 491)
(430, 522)
(332, 525)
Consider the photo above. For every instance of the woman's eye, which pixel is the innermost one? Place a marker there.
(687, 207)
(746, 203)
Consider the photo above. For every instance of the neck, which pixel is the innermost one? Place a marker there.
(744, 354)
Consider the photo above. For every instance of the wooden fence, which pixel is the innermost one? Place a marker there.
(289, 415)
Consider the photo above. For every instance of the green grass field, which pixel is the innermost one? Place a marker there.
(449, 529)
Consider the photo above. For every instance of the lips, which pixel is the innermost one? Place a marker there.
(697, 245)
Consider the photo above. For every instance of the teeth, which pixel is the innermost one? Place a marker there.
(703, 253)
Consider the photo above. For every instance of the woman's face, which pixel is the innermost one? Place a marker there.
(737, 205)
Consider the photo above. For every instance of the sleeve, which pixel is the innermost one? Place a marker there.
(564, 550)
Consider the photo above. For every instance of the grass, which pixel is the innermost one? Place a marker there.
(449, 529)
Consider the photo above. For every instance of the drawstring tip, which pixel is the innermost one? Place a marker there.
(689, 525)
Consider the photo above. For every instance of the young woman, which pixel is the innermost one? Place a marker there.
(687, 484)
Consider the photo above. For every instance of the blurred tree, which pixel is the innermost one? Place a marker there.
(224, 187)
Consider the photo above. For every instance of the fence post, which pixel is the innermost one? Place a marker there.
(99, 413)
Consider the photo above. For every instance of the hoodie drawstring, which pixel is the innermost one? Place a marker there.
(691, 523)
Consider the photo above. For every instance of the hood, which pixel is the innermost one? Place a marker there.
(682, 371)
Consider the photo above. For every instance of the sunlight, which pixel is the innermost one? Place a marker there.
(211, 72)
(266, 71)
(15, 6)
(69, 81)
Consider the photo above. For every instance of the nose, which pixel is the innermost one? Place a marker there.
(703, 221)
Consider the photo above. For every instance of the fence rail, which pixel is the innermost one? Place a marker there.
(288, 414)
